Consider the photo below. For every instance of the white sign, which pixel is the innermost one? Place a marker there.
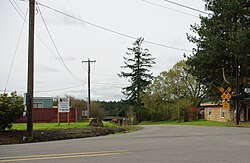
(63, 105)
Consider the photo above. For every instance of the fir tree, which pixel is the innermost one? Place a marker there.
(137, 63)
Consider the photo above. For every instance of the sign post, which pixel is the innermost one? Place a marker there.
(63, 107)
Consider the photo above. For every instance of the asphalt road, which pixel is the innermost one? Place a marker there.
(153, 144)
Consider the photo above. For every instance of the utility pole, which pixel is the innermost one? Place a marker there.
(88, 106)
(30, 86)
(237, 93)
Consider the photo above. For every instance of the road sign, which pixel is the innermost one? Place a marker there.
(221, 89)
(63, 105)
(229, 89)
(226, 95)
(226, 105)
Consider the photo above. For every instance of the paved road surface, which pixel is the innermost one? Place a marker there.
(153, 144)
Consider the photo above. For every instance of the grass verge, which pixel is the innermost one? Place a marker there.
(53, 126)
(197, 123)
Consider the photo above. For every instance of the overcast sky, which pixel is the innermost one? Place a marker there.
(77, 41)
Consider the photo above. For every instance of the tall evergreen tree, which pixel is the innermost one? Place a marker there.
(137, 64)
(222, 43)
(223, 51)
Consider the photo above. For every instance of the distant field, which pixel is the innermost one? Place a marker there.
(197, 123)
(50, 126)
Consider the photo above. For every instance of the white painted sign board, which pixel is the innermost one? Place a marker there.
(63, 105)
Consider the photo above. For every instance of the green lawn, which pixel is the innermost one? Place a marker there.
(48, 126)
(197, 123)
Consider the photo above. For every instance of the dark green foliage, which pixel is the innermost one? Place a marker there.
(223, 42)
(137, 70)
(112, 108)
(11, 108)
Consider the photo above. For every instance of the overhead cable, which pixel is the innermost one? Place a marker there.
(155, 4)
(52, 90)
(14, 56)
(19, 11)
(47, 29)
(191, 8)
(59, 89)
(110, 30)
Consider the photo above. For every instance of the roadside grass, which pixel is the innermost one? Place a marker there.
(132, 128)
(52, 126)
(198, 123)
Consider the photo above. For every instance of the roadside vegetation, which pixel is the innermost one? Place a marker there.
(53, 126)
(75, 125)
(197, 123)
(51, 131)
(11, 108)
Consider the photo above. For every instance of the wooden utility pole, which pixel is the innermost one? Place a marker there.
(88, 106)
(30, 86)
(237, 93)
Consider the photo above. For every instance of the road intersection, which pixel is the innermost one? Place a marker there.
(155, 143)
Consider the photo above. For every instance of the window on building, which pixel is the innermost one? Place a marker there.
(38, 105)
(209, 112)
(222, 113)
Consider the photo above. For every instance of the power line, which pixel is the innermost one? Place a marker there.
(191, 8)
(76, 27)
(155, 4)
(110, 30)
(13, 59)
(80, 92)
(19, 11)
(109, 96)
(59, 89)
(51, 90)
(110, 84)
(47, 29)
(114, 76)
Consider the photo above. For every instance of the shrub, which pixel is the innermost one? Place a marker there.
(193, 113)
(11, 108)
(96, 111)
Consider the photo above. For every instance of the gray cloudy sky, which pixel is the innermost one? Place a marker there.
(77, 41)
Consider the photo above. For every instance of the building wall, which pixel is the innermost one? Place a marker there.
(214, 113)
(43, 102)
(50, 115)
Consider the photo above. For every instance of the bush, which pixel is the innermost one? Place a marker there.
(193, 113)
(11, 108)
(96, 111)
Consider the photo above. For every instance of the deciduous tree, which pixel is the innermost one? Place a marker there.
(172, 92)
